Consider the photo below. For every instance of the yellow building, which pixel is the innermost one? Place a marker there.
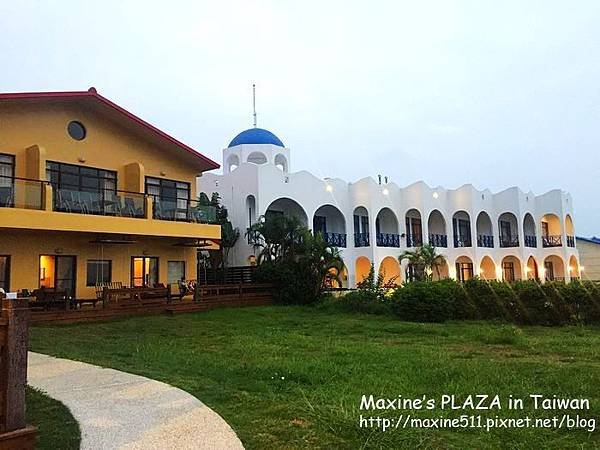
(90, 193)
(589, 255)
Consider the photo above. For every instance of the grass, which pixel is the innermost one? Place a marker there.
(292, 377)
(57, 428)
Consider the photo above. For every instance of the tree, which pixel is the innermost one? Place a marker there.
(229, 235)
(278, 237)
(424, 261)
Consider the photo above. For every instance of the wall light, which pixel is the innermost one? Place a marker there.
(528, 269)
(435, 195)
(329, 188)
(581, 268)
(385, 191)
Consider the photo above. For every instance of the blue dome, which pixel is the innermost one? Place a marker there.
(256, 136)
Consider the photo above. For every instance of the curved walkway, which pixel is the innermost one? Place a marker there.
(118, 410)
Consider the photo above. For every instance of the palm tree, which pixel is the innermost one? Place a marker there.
(278, 237)
(425, 260)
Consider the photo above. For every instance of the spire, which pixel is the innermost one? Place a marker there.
(254, 102)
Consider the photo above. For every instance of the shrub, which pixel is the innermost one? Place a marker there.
(422, 301)
(289, 279)
(359, 301)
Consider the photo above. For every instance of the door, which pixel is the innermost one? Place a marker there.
(5, 273)
(144, 271)
(505, 230)
(549, 268)
(320, 225)
(58, 272)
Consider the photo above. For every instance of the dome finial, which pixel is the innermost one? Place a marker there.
(254, 102)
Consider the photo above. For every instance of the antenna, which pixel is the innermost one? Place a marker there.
(254, 102)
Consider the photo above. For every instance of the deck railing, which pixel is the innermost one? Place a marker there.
(182, 210)
(101, 203)
(23, 193)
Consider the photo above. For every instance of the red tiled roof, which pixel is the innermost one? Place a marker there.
(92, 93)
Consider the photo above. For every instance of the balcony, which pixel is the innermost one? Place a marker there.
(335, 239)
(388, 240)
(552, 241)
(484, 240)
(571, 241)
(414, 240)
(530, 241)
(361, 239)
(462, 241)
(438, 240)
(509, 241)
(35, 205)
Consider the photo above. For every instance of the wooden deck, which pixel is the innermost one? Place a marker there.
(209, 297)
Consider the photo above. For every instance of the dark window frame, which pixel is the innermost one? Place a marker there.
(163, 184)
(176, 261)
(87, 272)
(5, 283)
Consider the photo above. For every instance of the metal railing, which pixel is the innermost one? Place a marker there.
(414, 240)
(552, 241)
(388, 240)
(485, 240)
(335, 239)
(509, 241)
(438, 240)
(530, 241)
(570, 241)
(181, 210)
(361, 239)
(102, 203)
(462, 241)
(23, 193)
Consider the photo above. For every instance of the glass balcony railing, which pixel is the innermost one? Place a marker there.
(100, 203)
(21, 193)
(183, 210)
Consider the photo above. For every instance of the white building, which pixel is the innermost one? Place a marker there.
(506, 235)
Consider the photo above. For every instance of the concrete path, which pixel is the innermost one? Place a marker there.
(118, 410)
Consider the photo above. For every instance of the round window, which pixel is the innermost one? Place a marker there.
(76, 130)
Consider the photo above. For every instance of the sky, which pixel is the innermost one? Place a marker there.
(496, 94)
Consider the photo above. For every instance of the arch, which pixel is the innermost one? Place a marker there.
(529, 234)
(441, 271)
(554, 268)
(532, 269)
(281, 162)
(257, 158)
(251, 209)
(464, 268)
(331, 223)
(360, 218)
(461, 227)
(389, 269)
(570, 231)
(511, 268)
(386, 227)
(362, 268)
(508, 228)
(574, 270)
(436, 226)
(233, 162)
(287, 207)
(551, 230)
(485, 233)
(487, 269)
(414, 228)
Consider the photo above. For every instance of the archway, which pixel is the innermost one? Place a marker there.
(440, 271)
(330, 222)
(485, 234)
(363, 267)
(361, 226)
(251, 210)
(551, 231)
(281, 162)
(464, 268)
(554, 268)
(257, 158)
(570, 229)
(233, 162)
(511, 269)
(574, 270)
(532, 269)
(389, 269)
(287, 207)
(508, 227)
(529, 233)
(436, 226)
(461, 226)
(414, 228)
(386, 226)
(487, 269)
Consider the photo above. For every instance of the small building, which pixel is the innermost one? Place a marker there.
(589, 253)
(92, 194)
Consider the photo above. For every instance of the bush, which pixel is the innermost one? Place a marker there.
(359, 301)
(290, 281)
(422, 301)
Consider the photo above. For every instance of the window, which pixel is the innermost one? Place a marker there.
(545, 229)
(464, 271)
(171, 198)
(508, 271)
(5, 273)
(7, 173)
(98, 272)
(175, 271)
(505, 231)
(76, 130)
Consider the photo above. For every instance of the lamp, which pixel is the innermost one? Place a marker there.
(385, 191)
(329, 188)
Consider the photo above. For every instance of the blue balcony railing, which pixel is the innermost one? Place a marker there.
(530, 241)
(485, 240)
(388, 240)
(438, 240)
(361, 239)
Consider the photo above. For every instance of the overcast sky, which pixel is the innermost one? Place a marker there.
(491, 93)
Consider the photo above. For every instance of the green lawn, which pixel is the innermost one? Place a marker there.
(57, 429)
(291, 377)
